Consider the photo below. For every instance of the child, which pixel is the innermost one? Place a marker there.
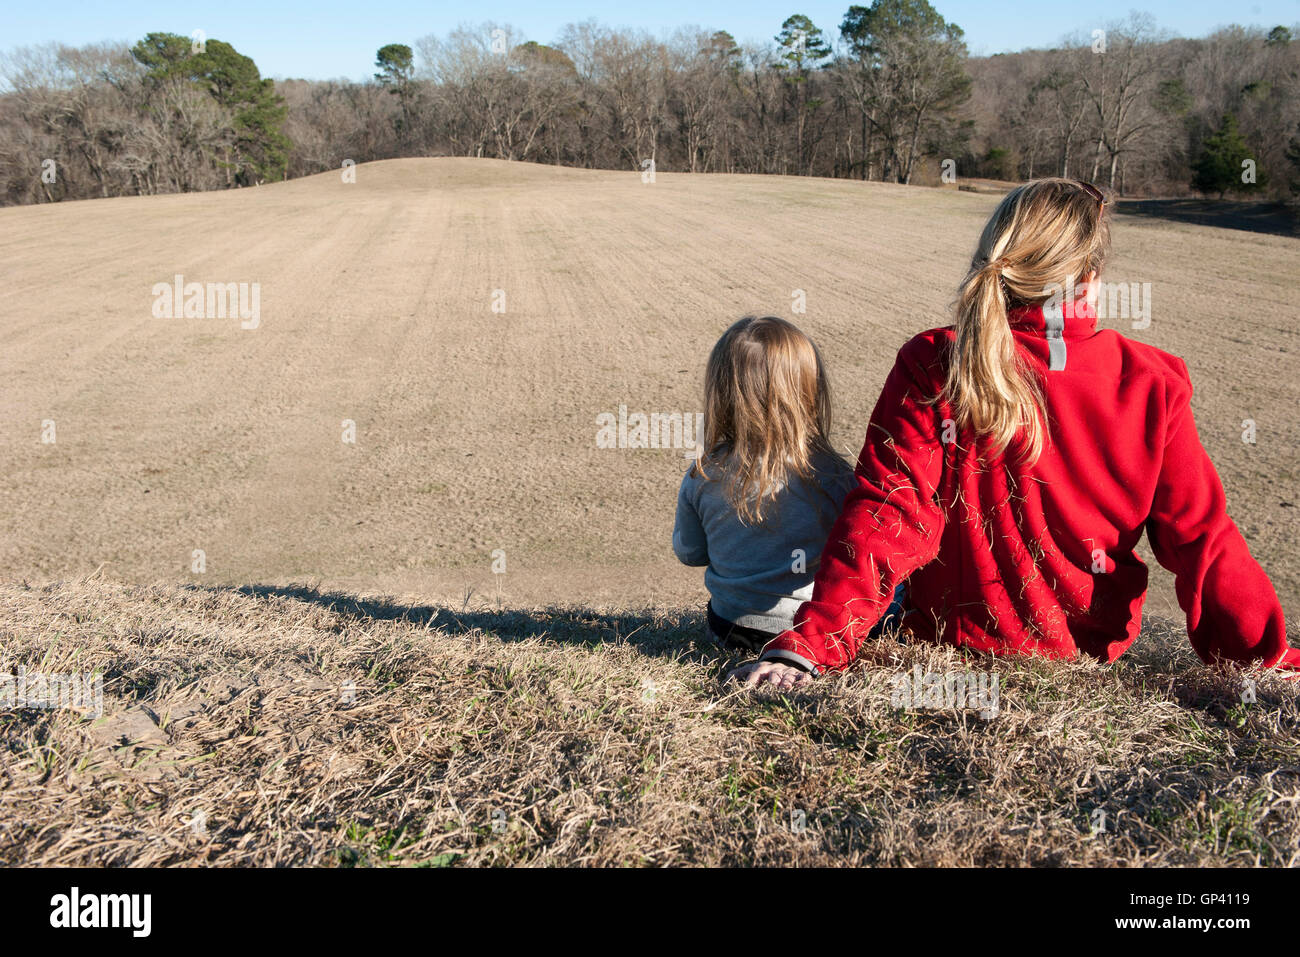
(1013, 462)
(757, 505)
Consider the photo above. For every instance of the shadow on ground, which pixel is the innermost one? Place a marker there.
(1276, 219)
(1163, 647)
(673, 635)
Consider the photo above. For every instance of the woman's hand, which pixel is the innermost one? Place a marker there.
(776, 673)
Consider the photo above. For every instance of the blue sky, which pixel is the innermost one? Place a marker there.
(330, 38)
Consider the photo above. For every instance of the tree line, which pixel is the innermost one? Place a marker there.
(893, 95)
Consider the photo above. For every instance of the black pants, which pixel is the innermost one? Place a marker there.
(740, 638)
(734, 636)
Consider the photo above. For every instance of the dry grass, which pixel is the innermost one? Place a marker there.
(601, 739)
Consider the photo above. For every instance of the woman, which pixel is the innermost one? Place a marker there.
(1011, 466)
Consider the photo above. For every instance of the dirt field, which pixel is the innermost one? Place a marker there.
(475, 429)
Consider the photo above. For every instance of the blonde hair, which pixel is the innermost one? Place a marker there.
(767, 408)
(1044, 236)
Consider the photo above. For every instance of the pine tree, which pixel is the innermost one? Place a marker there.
(232, 79)
(1293, 157)
(805, 46)
(397, 71)
(1218, 168)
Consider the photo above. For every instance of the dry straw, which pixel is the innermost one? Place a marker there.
(310, 729)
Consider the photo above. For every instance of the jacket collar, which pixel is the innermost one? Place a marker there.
(1071, 320)
(1056, 322)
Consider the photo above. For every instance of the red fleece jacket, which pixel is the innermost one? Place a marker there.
(1039, 559)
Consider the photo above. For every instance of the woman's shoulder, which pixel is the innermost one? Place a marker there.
(922, 361)
(928, 347)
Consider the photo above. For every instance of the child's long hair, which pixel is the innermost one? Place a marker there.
(1044, 237)
(767, 410)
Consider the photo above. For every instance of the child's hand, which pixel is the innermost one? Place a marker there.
(756, 673)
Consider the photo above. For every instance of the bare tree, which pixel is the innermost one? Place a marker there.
(1134, 110)
(1119, 78)
(702, 68)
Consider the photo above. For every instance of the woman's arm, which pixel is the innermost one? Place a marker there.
(890, 525)
(1232, 609)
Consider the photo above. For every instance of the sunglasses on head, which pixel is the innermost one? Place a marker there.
(1092, 191)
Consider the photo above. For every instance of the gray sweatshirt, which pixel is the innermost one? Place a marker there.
(758, 575)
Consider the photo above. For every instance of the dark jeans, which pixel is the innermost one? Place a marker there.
(733, 636)
(739, 638)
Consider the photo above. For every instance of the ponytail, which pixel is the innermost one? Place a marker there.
(991, 391)
(1045, 234)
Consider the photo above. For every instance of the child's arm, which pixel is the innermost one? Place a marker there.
(1231, 607)
(689, 543)
(889, 527)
